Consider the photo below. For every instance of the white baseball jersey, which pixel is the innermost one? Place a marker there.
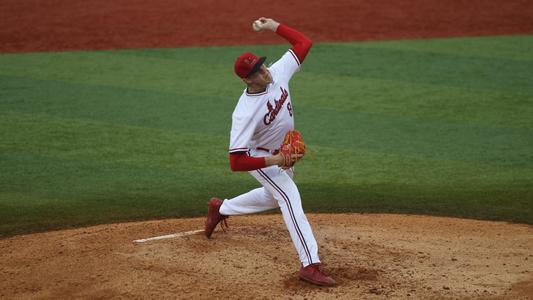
(261, 120)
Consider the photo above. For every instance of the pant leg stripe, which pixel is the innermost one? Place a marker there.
(291, 212)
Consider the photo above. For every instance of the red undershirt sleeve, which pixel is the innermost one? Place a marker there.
(300, 43)
(240, 161)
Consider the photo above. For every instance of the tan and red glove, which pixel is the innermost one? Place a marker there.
(292, 149)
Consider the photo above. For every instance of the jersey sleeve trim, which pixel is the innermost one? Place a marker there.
(240, 149)
(295, 56)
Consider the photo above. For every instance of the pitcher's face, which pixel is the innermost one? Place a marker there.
(260, 78)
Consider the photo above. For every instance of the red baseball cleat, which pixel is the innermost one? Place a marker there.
(214, 217)
(314, 275)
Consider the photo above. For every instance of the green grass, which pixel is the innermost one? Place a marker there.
(440, 127)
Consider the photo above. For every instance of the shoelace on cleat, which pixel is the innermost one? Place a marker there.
(224, 223)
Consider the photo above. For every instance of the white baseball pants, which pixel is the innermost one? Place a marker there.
(279, 190)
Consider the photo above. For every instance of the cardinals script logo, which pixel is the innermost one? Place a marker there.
(278, 105)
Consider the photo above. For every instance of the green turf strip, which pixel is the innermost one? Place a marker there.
(441, 127)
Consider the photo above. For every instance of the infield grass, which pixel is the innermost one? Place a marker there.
(440, 127)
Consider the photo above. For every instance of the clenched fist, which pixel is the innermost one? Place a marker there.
(263, 23)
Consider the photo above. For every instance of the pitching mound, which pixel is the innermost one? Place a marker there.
(371, 256)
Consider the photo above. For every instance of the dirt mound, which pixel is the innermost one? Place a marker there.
(370, 256)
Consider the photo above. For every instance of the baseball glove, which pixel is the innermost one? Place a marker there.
(293, 148)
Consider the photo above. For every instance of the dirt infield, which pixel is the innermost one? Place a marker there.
(35, 25)
(371, 256)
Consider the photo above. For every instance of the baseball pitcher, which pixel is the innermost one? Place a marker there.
(264, 143)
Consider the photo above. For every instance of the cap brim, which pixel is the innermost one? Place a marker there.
(257, 66)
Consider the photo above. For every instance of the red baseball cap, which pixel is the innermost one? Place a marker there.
(247, 64)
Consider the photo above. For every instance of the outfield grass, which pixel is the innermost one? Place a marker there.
(441, 127)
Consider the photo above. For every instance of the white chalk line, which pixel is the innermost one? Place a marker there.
(168, 236)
